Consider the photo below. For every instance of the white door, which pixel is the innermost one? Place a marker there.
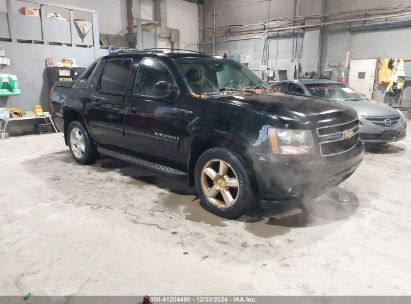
(362, 76)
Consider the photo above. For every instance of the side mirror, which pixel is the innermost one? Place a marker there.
(164, 89)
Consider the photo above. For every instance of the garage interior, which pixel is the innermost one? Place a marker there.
(113, 228)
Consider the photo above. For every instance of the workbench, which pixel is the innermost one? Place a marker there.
(24, 125)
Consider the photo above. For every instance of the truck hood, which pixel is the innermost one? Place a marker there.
(296, 111)
(367, 108)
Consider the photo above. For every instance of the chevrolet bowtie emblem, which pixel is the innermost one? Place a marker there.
(349, 134)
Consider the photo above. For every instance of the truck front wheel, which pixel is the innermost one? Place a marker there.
(80, 144)
(223, 183)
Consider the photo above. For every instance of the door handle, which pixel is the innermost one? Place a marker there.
(134, 109)
(96, 101)
(188, 115)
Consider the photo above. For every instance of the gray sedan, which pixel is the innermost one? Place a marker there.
(379, 123)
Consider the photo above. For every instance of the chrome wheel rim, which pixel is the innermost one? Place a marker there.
(77, 143)
(220, 184)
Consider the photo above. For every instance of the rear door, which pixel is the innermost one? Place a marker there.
(106, 107)
(155, 126)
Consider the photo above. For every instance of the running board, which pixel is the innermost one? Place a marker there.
(141, 162)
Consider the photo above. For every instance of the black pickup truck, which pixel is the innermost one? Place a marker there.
(209, 119)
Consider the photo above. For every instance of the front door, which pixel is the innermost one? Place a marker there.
(155, 125)
(106, 107)
(362, 76)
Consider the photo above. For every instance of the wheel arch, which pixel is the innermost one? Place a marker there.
(203, 142)
(70, 115)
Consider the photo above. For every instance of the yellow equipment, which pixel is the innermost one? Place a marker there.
(15, 112)
(38, 110)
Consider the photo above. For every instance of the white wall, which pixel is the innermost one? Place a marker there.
(242, 12)
(381, 43)
(183, 15)
(146, 9)
(30, 70)
(335, 6)
(112, 13)
(31, 73)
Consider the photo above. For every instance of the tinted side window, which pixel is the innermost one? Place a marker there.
(150, 72)
(87, 73)
(115, 75)
(83, 80)
(295, 89)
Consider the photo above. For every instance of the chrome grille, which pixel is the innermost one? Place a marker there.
(386, 122)
(337, 139)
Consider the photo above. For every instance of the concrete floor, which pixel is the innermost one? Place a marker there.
(116, 229)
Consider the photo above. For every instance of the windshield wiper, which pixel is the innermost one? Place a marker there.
(228, 89)
(351, 99)
(245, 89)
(220, 90)
(259, 87)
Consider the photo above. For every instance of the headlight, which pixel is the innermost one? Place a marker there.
(284, 141)
(360, 120)
(403, 119)
(401, 115)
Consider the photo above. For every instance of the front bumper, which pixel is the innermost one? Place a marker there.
(383, 137)
(282, 177)
(374, 134)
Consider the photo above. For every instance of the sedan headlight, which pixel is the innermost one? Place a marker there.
(403, 119)
(360, 120)
(401, 115)
(284, 141)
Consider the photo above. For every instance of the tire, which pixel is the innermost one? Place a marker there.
(81, 146)
(217, 171)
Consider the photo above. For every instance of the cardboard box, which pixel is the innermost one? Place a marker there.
(28, 11)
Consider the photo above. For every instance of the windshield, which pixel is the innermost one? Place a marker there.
(334, 91)
(206, 75)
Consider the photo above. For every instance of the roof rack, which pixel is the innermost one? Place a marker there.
(178, 50)
(155, 50)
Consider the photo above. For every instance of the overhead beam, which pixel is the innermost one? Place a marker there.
(195, 1)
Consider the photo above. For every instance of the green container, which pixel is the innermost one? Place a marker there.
(9, 85)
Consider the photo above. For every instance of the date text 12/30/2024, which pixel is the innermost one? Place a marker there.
(204, 299)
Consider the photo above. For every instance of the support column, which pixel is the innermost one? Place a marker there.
(134, 26)
(10, 20)
(214, 28)
(160, 12)
(321, 40)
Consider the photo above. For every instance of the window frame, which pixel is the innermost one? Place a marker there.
(101, 91)
(83, 82)
(136, 69)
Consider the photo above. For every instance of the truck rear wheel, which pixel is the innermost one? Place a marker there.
(223, 183)
(80, 144)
